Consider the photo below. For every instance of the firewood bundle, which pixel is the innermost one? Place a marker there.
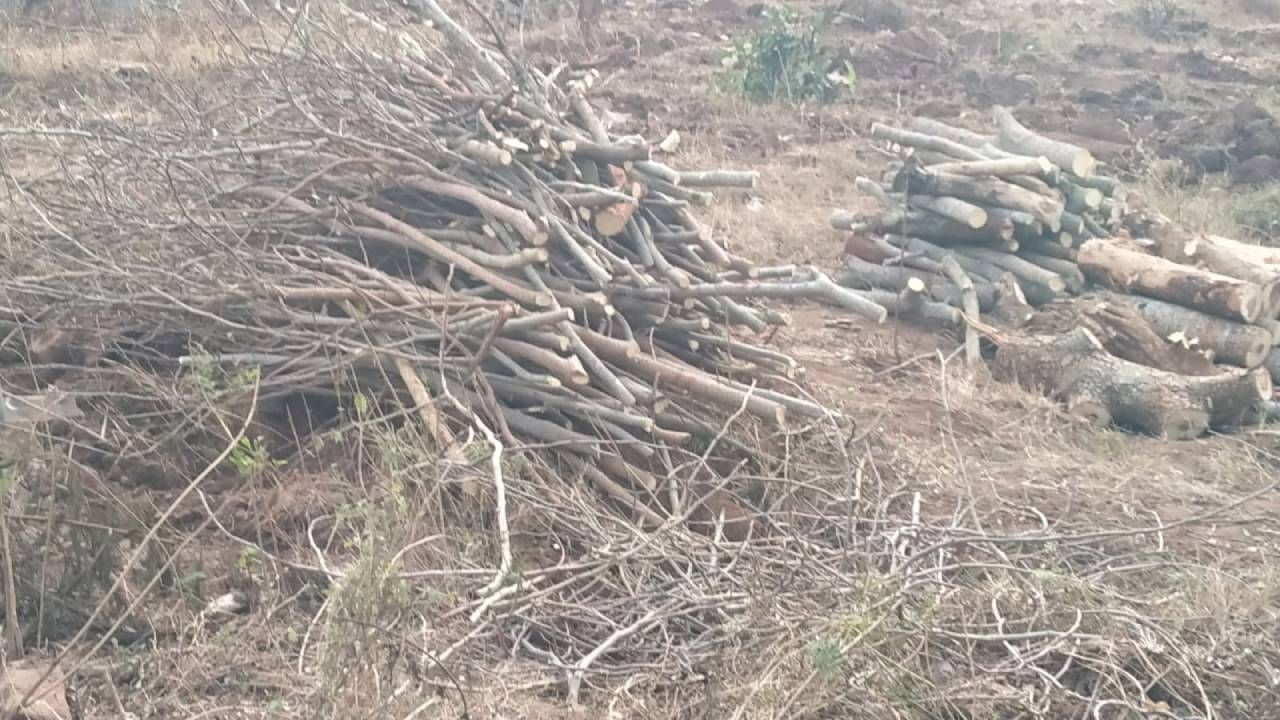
(451, 226)
(1021, 228)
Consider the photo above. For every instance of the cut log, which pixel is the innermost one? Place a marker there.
(1109, 186)
(871, 248)
(1066, 269)
(1258, 254)
(964, 213)
(1110, 264)
(971, 306)
(915, 245)
(1001, 168)
(862, 275)
(905, 305)
(922, 141)
(1014, 137)
(1263, 413)
(1122, 331)
(1272, 364)
(946, 231)
(1081, 199)
(1011, 309)
(968, 138)
(986, 191)
(1020, 267)
(1045, 246)
(1224, 258)
(911, 298)
(1230, 342)
(1273, 327)
(1104, 389)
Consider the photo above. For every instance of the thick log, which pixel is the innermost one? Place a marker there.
(1122, 331)
(964, 213)
(922, 141)
(919, 246)
(1014, 137)
(1109, 186)
(986, 191)
(971, 306)
(1272, 364)
(1230, 342)
(1105, 389)
(1045, 246)
(1110, 264)
(997, 232)
(1011, 309)
(861, 275)
(1273, 327)
(968, 138)
(1219, 255)
(1066, 269)
(1263, 413)
(1001, 167)
(911, 306)
(1081, 199)
(1020, 267)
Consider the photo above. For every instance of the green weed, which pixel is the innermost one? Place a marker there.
(785, 61)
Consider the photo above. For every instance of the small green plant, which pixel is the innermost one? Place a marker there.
(784, 60)
(827, 658)
(251, 458)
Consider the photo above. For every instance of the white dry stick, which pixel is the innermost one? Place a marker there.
(580, 667)
(500, 497)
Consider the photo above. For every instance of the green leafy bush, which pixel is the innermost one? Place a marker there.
(784, 60)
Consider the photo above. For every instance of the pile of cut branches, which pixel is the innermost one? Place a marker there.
(1021, 227)
(447, 231)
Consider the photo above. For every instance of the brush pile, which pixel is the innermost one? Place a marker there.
(466, 226)
(1022, 228)
(449, 241)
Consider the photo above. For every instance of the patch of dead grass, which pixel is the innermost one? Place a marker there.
(1212, 206)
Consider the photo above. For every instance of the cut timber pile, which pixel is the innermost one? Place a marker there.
(1021, 228)
(452, 227)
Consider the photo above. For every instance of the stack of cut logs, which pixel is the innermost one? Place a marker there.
(1124, 315)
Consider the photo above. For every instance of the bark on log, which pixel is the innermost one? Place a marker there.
(1066, 269)
(1108, 185)
(1038, 285)
(971, 306)
(685, 378)
(944, 230)
(1011, 309)
(923, 141)
(1082, 199)
(1001, 168)
(1045, 246)
(1015, 137)
(861, 275)
(1230, 342)
(1102, 388)
(920, 246)
(986, 191)
(907, 307)
(1122, 331)
(968, 138)
(1263, 413)
(1224, 258)
(955, 209)
(1272, 364)
(1110, 264)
